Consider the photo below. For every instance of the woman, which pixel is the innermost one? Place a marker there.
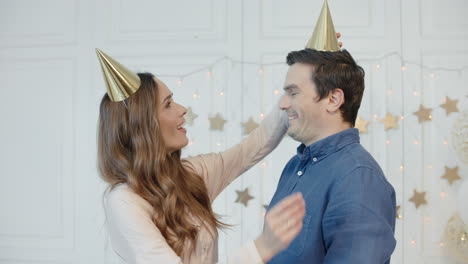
(158, 207)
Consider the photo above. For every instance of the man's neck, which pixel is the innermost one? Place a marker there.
(326, 132)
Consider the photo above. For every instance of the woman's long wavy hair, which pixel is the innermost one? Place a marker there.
(131, 150)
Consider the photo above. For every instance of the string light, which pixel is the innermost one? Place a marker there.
(445, 142)
(195, 96)
(262, 116)
(402, 167)
(180, 82)
(221, 93)
(416, 142)
(389, 91)
(276, 92)
(402, 117)
(260, 71)
(443, 195)
(378, 66)
(388, 142)
(441, 244)
(413, 242)
(415, 93)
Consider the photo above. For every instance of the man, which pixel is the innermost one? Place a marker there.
(350, 206)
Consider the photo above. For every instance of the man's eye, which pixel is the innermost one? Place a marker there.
(168, 104)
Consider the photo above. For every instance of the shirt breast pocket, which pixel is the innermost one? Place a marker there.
(296, 247)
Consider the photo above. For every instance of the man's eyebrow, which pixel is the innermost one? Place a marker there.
(168, 97)
(290, 86)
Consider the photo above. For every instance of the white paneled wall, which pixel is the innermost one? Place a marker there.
(222, 57)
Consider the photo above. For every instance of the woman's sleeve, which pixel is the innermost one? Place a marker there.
(134, 237)
(220, 169)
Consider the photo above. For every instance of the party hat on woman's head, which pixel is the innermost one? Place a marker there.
(324, 36)
(121, 83)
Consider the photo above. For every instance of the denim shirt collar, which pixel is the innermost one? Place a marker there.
(329, 145)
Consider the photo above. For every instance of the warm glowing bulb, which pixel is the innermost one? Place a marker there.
(416, 142)
(276, 92)
(445, 142)
(260, 71)
(403, 68)
(180, 82)
(402, 117)
(221, 93)
(195, 95)
(443, 195)
(415, 93)
(413, 242)
(388, 142)
(262, 116)
(377, 67)
(389, 91)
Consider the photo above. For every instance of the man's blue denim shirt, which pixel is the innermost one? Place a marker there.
(350, 206)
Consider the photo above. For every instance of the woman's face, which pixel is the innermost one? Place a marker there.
(171, 119)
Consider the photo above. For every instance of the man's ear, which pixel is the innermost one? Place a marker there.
(335, 100)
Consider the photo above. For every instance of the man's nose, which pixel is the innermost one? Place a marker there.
(284, 102)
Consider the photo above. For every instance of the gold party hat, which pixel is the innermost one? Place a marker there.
(324, 37)
(121, 82)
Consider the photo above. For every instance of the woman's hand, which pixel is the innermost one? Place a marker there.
(282, 224)
(338, 35)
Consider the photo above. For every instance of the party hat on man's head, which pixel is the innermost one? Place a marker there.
(324, 36)
(121, 82)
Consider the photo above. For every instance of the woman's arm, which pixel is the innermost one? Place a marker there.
(220, 169)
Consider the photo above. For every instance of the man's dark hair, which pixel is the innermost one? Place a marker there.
(334, 70)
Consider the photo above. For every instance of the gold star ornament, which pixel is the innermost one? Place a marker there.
(419, 198)
(190, 116)
(249, 126)
(450, 106)
(361, 125)
(244, 197)
(217, 122)
(451, 174)
(423, 114)
(390, 121)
